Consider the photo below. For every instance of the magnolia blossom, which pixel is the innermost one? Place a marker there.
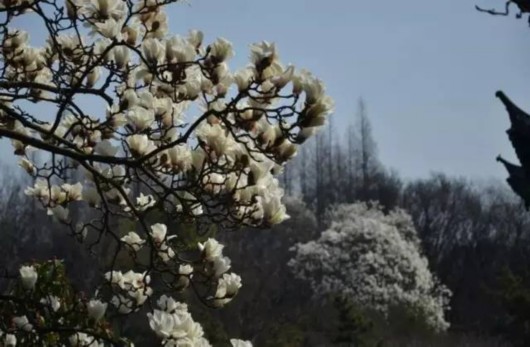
(216, 138)
(133, 240)
(145, 201)
(140, 117)
(140, 144)
(96, 309)
(29, 276)
(10, 340)
(158, 234)
(22, 323)
(84, 340)
(73, 191)
(134, 287)
(53, 301)
(179, 158)
(27, 165)
(373, 259)
(180, 134)
(240, 343)
(179, 50)
(211, 249)
(174, 324)
(221, 50)
(227, 288)
(185, 270)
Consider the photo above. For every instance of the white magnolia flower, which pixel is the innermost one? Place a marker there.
(263, 51)
(144, 202)
(222, 50)
(136, 279)
(176, 327)
(317, 113)
(140, 117)
(22, 323)
(74, 192)
(101, 9)
(273, 209)
(84, 340)
(185, 270)
(168, 304)
(29, 276)
(52, 301)
(93, 77)
(158, 233)
(10, 340)
(243, 78)
(211, 249)
(27, 165)
(121, 55)
(135, 288)
(156, 24)
(40, 189)
(96, 309)
(179, 50)
(133, 240)
(153, 50)
(162, 323)
(240, 343)
(229, 285)
(282, 80)
(227, 288)
(110, 29)
(217, 138)
(140, 144)
(180, 158)
(195, 38)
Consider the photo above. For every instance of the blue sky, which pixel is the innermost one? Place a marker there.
(428, 70)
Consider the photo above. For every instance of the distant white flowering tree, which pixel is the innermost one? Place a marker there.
(374, 260)
(164, 134)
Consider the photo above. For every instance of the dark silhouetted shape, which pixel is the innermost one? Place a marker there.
(522, 5)
(519, 135)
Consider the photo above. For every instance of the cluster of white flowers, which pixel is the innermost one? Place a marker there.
(49, 303)
(239, 144)
(134, 289)
(215, 266)
(181, 134)
(373, 259)
(84, 340)
(54, 197)
(174, 325)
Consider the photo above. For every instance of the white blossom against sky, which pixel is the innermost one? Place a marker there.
(428, 70)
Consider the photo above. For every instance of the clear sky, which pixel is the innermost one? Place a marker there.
(428, 70)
